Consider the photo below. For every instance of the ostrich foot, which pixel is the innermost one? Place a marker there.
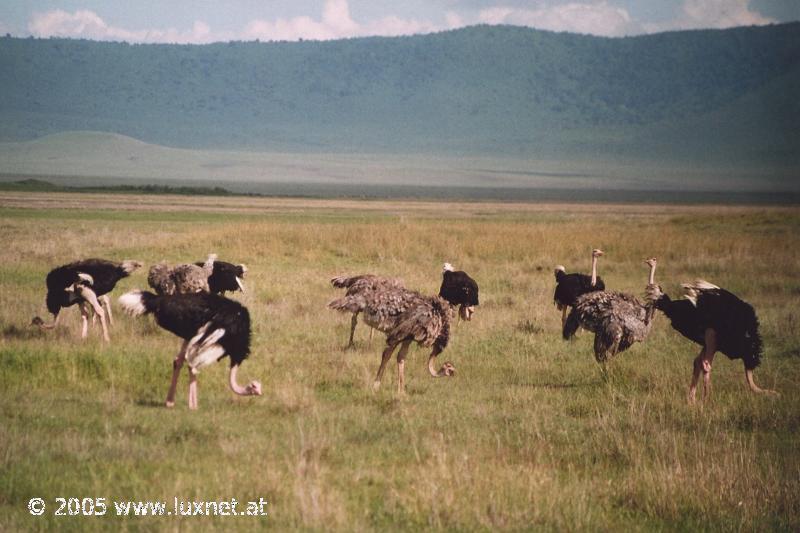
(169, 403)
(376, 386)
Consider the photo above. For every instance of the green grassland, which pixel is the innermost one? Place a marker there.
(527, 435)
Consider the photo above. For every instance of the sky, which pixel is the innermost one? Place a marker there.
(204, 21)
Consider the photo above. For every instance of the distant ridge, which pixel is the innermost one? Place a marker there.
(711, 95)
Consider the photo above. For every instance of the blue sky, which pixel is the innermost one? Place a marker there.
(203, 21)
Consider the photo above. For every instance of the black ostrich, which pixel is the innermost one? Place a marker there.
(211, 327)
(225, 277)
(85, 283)
(570, 286)
(718, 321)
(460, 290)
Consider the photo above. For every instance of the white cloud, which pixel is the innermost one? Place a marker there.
(336, 22)
(597, 18)
(88, 25)
(695, 14)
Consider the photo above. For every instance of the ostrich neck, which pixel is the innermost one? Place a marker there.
(652, 279)
(235, 387)
(594, 271)
(431, 367)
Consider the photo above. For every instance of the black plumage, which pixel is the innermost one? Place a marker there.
(718, 320)
(458, 288)
(104, 277)
(733, 320)
(86, 283)
(225, 277)
(571, 286)
(185, 314)
(211, 327)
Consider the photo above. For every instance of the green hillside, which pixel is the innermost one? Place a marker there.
(483, 90)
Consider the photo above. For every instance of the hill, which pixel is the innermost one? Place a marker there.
(493, 90)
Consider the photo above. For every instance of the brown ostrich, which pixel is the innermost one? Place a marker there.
(364, 284)
(181, 279)
(617, 319)
(405, 317)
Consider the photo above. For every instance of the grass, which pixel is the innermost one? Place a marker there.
(528, 435)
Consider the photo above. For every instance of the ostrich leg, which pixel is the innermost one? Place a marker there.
(401, 363)
(387, 354)
(371, 334)
(563, 317)
(107, 304)
(176, 370)
(192, 388)
(697, 368)
(708, 358)
(84, 320)
(88, 294)
(353, 323)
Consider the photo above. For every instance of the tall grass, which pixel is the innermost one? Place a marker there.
(527, 435)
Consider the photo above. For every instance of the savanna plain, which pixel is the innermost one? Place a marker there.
(529, 434)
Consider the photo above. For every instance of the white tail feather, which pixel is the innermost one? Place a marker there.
(133, 303)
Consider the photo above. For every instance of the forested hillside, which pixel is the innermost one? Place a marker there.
(485, 89)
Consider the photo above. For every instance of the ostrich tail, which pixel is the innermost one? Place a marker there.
(351, 304)
(160, 279)
(571, 325)
(341, 282)
(137, 303)
(754, 346)
(208, 267)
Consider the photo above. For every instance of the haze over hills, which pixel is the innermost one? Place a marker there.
(720, 98)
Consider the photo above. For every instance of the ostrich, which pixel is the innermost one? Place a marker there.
(181, 279)
(365, 283)
(211, 327)
(460, 290)
(617, 319)
(86, 283)
(405, 316)
(718, 321)
(570, 286)
(225, 277)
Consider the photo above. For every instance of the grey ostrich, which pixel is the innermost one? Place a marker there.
(181, 279)
(364, 284)
(405, 317)
(617, 319)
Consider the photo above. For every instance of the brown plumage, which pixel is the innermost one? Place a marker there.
(617, 319)
(181, 279)
(363, 284)
(405, 317)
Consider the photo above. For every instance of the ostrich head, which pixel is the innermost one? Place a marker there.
(597, 252)
(253, 388)
(448, 268)
(448, 369)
